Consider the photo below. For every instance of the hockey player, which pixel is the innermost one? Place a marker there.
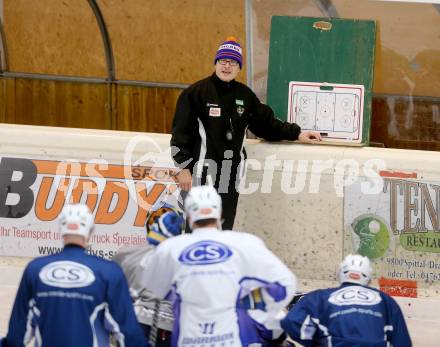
(73, 299)
(162, 223)
(208, 272)
(351, 315)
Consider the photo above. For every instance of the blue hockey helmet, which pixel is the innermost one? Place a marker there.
(163, 223)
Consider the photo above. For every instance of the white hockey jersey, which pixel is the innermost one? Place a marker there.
(206, 274)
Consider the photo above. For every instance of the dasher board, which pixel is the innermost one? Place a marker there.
(335, 110)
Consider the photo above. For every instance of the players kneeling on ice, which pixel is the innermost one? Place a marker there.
(209, 272)
(73, 299)
(351, 315)
(155, 316)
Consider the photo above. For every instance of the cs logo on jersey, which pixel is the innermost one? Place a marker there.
(355, 295)
(66, 274)
(204, 253)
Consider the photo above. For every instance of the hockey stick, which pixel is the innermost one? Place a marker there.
(297, 297)
(152, 338)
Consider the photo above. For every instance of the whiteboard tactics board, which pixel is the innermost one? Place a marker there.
(335, 110)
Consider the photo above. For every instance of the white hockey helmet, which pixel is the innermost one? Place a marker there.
(203, 202)
(75, 219)
(355, 269)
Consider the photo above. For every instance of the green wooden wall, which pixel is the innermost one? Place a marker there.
(340, 52)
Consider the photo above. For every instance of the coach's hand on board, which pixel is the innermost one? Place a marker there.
(184, 179)
(309, 137)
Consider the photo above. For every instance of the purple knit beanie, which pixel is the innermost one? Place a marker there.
(230, 49)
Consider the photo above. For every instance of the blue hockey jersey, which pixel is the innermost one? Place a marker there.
(73, 299)
(348, 316)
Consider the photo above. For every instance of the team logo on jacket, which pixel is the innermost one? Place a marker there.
(355, 295)
(66, 274)
(240, 110)
(205, 253)
(215, 111)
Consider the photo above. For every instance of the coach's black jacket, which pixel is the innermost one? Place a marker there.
(212, 116)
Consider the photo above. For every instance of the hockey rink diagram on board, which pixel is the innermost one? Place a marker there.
(335, 110)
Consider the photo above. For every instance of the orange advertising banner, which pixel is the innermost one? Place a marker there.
(34, 191)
